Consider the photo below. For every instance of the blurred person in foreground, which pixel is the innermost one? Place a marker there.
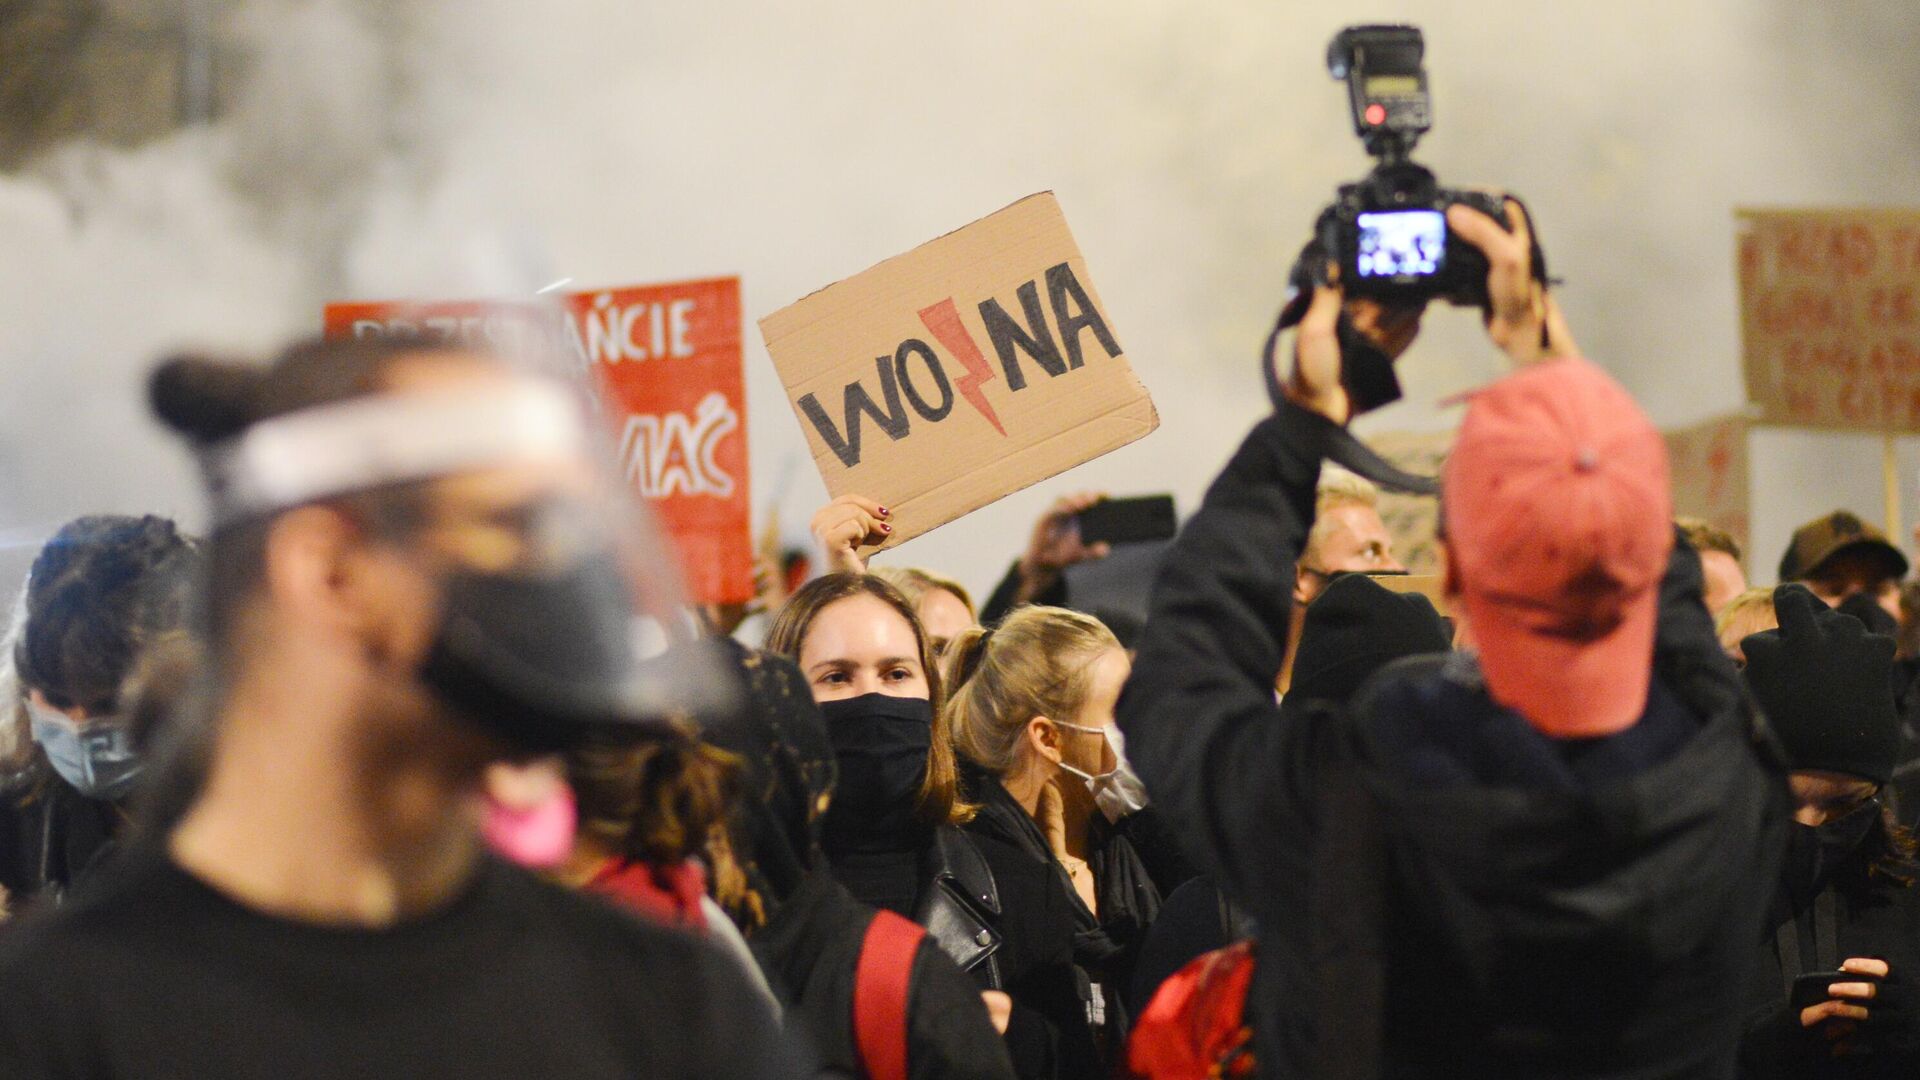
(1719, 561)
(1536, 861)
(413, 573)
(651, 818)
(1846, 901)
(1839, 557)
(101, 593)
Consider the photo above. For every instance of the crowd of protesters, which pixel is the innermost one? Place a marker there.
(376, 779)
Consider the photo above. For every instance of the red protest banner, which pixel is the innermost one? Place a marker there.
(666, 365)
(1830, 316)
(668, 361)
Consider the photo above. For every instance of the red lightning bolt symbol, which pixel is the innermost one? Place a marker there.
(943, 322)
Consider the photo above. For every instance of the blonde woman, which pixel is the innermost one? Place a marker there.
(1031, 708)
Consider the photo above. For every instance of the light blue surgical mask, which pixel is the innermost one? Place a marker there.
(96, 757)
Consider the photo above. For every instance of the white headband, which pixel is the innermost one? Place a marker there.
(369, 442)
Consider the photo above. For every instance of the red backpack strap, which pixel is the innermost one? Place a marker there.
(880, 984)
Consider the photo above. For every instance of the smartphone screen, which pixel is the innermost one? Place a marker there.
(1403, 243)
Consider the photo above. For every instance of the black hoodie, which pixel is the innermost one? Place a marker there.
(1489, 918)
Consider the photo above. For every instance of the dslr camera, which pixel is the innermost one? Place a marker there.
(1388, 232)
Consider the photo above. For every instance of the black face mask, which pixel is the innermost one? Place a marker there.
(881, 744)
(1814, 852)
(542, 660)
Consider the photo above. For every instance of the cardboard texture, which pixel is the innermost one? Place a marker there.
(1711, 470)
(665, 363)
(1413, 520)
(966, 369)
(1427, 585)
(1830, 316)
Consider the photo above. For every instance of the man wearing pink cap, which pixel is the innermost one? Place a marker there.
(1549, 859)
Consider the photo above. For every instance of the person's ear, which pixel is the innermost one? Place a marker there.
(305, 565)
(1043, 738)
(1302, 593)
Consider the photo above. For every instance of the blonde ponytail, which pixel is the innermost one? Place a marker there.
(1034, 664)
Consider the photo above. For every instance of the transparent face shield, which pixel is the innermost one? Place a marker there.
(561, 617)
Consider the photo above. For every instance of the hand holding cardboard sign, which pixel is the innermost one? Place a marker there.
(847, 524)
(964, 370)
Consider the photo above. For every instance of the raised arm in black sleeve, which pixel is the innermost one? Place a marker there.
(1006, 596)
(1199, 713)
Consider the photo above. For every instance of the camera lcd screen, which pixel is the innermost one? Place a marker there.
(1406, 243)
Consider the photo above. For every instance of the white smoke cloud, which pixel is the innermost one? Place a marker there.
(455, 147)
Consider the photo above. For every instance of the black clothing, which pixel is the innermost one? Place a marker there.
(814, 929)
(880, 745)
(811, 951)
(1049, 1035)
(1001, 603)
(1844, 914)
(887, 878)
(1903, 791)
(148, 972)
(787, 774)
(50, 835)
(1194, 921)
(1826, 685)
(1354, 628)
(1056, 950)
(1494, 920)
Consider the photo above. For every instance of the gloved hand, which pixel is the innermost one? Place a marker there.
(1824, 683)
(1863, 606)
(1892, 1025)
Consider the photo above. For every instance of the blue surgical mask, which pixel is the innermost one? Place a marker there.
(97, 758)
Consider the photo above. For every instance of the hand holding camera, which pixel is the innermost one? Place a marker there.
(1397, 240)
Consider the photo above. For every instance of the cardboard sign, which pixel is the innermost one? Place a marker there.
(1711, 470)
(1427, 585)
(962, 371)
(665, 361)
(1413, 520)
(1830, 316)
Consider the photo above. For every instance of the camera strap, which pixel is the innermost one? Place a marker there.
(1342, 448)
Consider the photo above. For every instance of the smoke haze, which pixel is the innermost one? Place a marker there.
(470, 147)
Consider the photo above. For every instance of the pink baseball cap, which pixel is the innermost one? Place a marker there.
(1559, 524)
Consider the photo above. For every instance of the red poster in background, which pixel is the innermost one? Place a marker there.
(668, 361)
(667, 366)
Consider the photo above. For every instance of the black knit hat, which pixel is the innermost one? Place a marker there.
(1825, 684)
(1354, 628)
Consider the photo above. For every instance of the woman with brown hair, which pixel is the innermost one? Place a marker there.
(1032, 706)
(867, 661)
